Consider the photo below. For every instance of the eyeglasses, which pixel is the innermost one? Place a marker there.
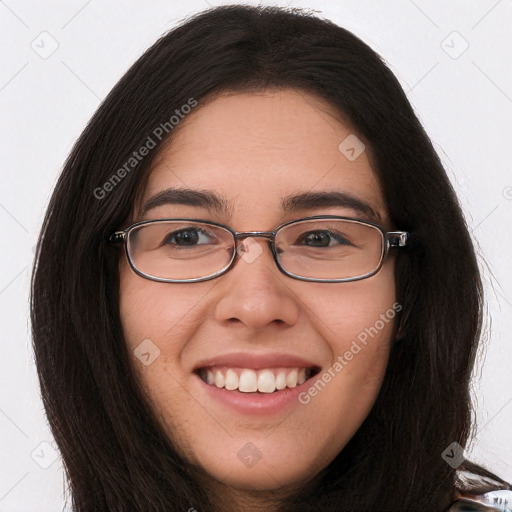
(323, 248)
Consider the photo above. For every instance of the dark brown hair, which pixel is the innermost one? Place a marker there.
(115, 454)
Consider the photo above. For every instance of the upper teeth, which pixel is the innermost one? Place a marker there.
(250, 381)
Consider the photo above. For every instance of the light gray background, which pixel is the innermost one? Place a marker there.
(462, 95)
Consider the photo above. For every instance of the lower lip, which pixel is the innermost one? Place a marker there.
(256, 404)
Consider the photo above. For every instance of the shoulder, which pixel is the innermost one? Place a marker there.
(475, 493)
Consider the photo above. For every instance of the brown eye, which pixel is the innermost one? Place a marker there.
(324, 239)
(187, 237)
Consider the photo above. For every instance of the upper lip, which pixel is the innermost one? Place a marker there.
(256, 361)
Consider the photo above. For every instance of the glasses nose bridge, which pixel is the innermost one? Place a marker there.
(269, 235)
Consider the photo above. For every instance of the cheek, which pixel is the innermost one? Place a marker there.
(158, 319)
(358, 324)
(357, 320)
(362, 311)
(159, 311)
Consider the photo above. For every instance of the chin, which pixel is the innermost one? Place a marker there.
(263, 474)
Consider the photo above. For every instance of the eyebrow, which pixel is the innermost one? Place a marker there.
(311, 200)
(186, 196)
(293, 203)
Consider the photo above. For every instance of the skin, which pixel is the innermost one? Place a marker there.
(254, 149)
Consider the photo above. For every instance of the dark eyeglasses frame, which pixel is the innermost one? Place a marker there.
(391, 239)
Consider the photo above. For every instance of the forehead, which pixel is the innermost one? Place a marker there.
(254, 149)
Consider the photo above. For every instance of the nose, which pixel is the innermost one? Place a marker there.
(254, 293)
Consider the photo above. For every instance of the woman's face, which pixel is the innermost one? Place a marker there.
(253, 151)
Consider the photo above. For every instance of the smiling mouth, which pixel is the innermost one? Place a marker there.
(247, 380)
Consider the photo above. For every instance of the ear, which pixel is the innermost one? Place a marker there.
(400, 328)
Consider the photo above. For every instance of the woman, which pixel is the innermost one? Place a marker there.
(254, 287)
